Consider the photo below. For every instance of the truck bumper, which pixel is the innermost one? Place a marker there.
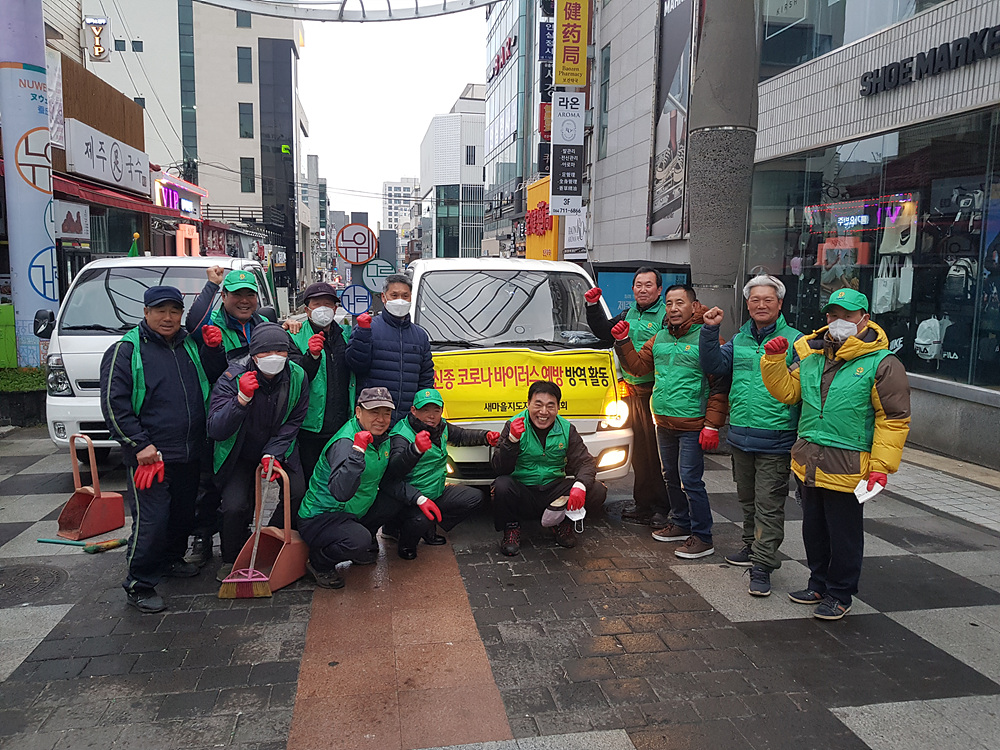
(67, 416)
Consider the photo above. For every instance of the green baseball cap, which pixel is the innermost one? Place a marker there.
(427, 396)
(238, 279)
(849, 299)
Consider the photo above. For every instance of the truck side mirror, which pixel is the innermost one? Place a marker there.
(44, 324)
(268, 313)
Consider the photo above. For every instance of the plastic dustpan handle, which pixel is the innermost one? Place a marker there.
(96, 483)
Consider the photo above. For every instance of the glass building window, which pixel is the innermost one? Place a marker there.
(244, 65)
(119, 45)
(470, 156)
(603, 95)
(246, 120)
(244, 19)
(137, 45)
(248, 180)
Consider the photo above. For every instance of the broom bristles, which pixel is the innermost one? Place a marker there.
(245, 584)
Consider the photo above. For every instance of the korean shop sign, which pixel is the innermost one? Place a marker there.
(572, 35)
(100, 157)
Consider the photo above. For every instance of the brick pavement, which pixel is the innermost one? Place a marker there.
(616, 643)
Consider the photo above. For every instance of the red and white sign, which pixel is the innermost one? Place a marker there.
(357, 244)
(502, 58)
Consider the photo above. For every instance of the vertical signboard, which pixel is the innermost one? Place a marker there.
(28, 172)
(53, 79)
(546, 40)
(669, 170)
(541, 228)
(572, 35)
(567, 153)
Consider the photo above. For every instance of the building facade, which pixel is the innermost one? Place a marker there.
(397, 200)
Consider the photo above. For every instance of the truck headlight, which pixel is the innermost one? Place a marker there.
(615, 415)
(56, 379)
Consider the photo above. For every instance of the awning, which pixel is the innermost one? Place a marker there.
(108, 197)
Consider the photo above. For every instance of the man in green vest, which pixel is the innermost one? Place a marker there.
(254, 417)
(154, 392)
(348, 499)
(855, 401)
(419, 456)
(319, 350)
(688, 407)
(645, 319)
(544, 470)
(761, 428)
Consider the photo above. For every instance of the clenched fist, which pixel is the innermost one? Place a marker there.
(577, 498)
(362, 440)
(713, 317)
(316, 343)
(422, 441)
(216, 274)
(492, 438)
(248, 386)
(212, 336)
(592, 295)
(364, 320)
(516, 429)
(777, 345)
(620, 330)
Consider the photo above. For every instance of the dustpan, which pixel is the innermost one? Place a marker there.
(281, 553)
(89, 511)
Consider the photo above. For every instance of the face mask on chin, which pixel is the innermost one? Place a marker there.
(397, 307)
(272, 364)
(322, 316)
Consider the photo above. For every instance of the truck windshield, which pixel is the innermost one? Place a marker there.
(110, 299)
(504, 308)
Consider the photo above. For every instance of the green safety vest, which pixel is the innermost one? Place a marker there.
(429, 473)
(318, 498)
(230, 338)
(317, 388)
(297, 377)
(846, 419)
(750, 403)
(139, 373)
(539, 464)
(642, 326)
(681, 386)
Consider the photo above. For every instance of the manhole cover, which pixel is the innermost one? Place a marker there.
(27, 583)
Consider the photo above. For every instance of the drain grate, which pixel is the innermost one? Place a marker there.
(20, 584)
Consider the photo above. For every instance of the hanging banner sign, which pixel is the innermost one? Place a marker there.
(546, 40)
(572, 35)
(566, 198)
(93, 154)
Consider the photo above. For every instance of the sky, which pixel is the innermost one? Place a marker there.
(370, 91)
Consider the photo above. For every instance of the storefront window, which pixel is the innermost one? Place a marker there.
(912, 219)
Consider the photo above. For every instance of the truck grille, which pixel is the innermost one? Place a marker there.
(95, 430)
(473, 470)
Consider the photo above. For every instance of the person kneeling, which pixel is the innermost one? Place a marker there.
(345, 505)
(543, 470)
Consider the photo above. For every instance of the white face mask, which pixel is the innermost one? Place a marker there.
(272, 364)
(322, 316)
(397, 307)
(340, 315)
(577, 516)
(841, 330)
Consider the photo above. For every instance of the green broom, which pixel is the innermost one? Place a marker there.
(249, 583)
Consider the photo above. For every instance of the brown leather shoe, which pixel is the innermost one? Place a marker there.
(694, 548)
(671, 533)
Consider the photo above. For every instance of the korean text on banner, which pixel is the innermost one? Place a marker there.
(493, 383)
(572, 35)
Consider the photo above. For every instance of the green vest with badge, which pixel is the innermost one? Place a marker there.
(846, 419)
(539, 464)
(317, 388)
(296, 377)
(139, 373)
(230, 338)
(429, 474)
(642, 326)
(318, 498)
(750, 403)
(680, 388)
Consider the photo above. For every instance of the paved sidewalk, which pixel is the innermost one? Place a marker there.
(615, 644)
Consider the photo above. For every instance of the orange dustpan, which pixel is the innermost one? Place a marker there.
(281, 553)
(89, 512)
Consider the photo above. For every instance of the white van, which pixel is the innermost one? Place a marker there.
(102, 304)
(495, 326)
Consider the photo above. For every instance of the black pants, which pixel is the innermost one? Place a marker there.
(310, 446)
(238, 492)
(834, 535)
(162, 518)
(513, 501)
(648, 490)
(457, 503)
(206, 507)
(335, 537)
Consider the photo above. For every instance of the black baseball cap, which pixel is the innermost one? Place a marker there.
(158, 295)
(320, 289)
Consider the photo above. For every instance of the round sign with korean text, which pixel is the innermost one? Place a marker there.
(374, 274)
(356, 299)
(357, 244)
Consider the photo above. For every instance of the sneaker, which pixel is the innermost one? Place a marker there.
(329, 579)
(223, 573)
(636, 515)
(805, 596)
(565, 536)
(760, 581)
(146, 601)
(182, 569)
(511, 543)
(659, 520)
(740, 559)
(671, 533)
(694, 548)
(201, 551)
(831, 609)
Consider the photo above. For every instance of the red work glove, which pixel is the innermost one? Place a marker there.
(592, 295)
(364, 320)
(620, 331)
(708, 439)
(212, 336)
(362, 440)
(429, 509)
(423, 441)
(248, 385)
(270, 465)
(145, 474)
(777, 345)
(874, 477)
(516, 429)
(492, 438)
(577, 497)
(316, 343)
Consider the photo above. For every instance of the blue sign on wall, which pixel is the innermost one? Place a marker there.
(356, 299)
(546, 40)
(616, 287)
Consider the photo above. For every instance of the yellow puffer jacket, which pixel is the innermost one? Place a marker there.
(838, 468)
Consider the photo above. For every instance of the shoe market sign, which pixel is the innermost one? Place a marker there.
(962, 52)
